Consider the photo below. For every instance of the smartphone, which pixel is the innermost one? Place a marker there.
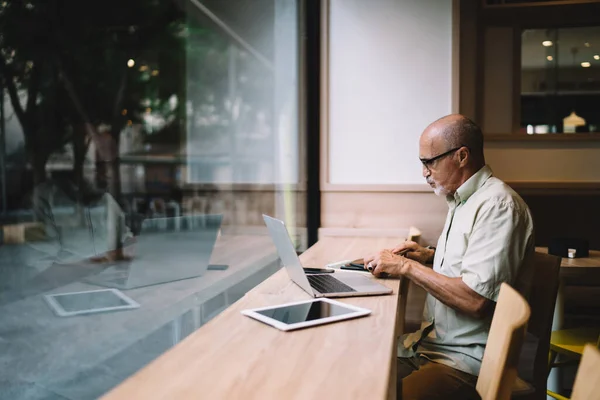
(318, 270)
(354, 267)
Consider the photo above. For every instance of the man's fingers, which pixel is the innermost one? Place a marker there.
(378, 271)
(368, 259)
(405, 245)
(399, 248)
(373, 264)
(386, 253)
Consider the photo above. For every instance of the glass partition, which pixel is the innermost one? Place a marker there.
(560, 80)
(141, 142)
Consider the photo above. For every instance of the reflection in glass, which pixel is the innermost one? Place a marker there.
(92, 300)
(140, 144)
(166, 250)
(560, 80)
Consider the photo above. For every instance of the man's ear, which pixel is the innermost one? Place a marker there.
(463, 155)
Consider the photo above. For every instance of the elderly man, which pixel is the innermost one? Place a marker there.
(486, 240)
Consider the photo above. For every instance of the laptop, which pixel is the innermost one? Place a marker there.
(166, 250)
(343, 284)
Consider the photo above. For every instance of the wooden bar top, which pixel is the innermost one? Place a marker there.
(592, 261)
(579, 271)
(235, 357)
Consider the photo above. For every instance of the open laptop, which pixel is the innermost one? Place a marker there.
(166, 250)
(343, 284)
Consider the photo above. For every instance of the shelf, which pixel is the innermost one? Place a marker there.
(556, 188)
(573, 185)
(547, 137)
(562, 93)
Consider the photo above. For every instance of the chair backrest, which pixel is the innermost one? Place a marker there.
(587, 380)
(499, 365)
(542, 300)
(414, 234)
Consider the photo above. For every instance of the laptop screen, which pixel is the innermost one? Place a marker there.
(287, 253)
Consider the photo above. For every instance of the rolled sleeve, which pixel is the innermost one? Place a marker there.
(497, 246)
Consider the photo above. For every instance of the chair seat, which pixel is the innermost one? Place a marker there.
(572, 341)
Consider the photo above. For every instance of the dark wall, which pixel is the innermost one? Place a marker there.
(565, 215)
(572, 215)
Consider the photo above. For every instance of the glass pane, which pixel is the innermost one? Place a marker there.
(141, 143)
(560, 80)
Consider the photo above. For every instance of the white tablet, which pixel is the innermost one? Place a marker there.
(307, 313)
(91, 301)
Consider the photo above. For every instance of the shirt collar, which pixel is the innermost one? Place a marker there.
(476, 181)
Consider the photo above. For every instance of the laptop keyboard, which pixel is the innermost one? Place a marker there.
(328, 284)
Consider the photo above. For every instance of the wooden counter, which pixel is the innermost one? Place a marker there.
(234, 357)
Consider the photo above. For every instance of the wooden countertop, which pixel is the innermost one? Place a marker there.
(593, 261)
(234, 356)
(579, 271)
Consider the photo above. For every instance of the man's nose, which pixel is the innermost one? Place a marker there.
(426, 171)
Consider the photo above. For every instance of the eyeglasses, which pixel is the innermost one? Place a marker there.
(428, 162)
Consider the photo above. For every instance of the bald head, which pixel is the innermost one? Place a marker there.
(456, 130)
(451, 150)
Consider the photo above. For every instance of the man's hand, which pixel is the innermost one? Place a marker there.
(415, 252)
(386, 264)
(451, 291)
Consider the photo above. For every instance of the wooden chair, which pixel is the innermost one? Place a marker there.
(571, 343)
(587, 380)
(414, 234)
(507, 332)
(531, 383)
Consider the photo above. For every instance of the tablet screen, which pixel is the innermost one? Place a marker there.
(297, 313)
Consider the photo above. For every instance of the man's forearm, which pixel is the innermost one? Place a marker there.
(453, 292)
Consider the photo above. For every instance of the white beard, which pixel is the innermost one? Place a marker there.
(440, 190)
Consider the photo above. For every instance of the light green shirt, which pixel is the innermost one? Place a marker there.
(487, 240)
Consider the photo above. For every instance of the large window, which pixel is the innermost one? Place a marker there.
(140, 144)
(560, 80)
